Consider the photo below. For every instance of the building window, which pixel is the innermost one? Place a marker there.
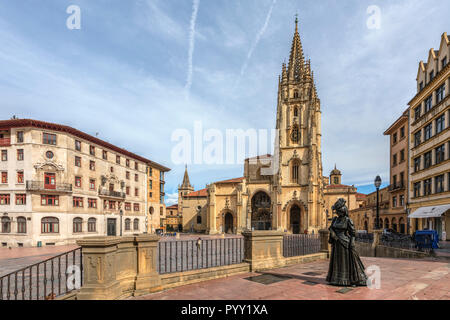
(105, 155)
(127, 175)
(6, 225)
(77, 145)
(111, 169)
(417, 112)
(428, 103)
(295, 94)
(118, 159)
(428, 131)
(440, 154)
(49, 200)
(161, 211)
(161, 176)
(91, 184)
(136, 192)
(394, 160)
(417, 138)
(127, 224)
(48, 138)
(49, 155)
(136, 165)
(19, 136)
(416, 189)
(4, 199)
(402, 200)
(402, 132)
(440, 93)
(199, 219)
(78, 182)
(77, 225)
(421, 86)
(439, 183)
(295, 172)
(4, 155)
(427, 160)
(295, 134)
(127, 206)
(21, 199)
(127, 191)
(136, 177)
(92, 225)
(440, 124)
(394, 202)
(431, 75)
(136, 207)
(20, 177)
(92, 203)
(92, 150)
(295, 112)
(443, 63)
(394, 138)
(4, 177)
(427, 187)
(417, 164)
(77, 162)
(92, 165)
(19, 154)
(136, 224)
(21, 225)
(50, 225)
(402, 155)
(151, 194)
(127, 162)
(77, 202)
(150, 171)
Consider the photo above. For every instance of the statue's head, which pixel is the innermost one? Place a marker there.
(340, 207)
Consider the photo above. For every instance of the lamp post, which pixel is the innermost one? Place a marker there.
(121, 215)
(377, 185)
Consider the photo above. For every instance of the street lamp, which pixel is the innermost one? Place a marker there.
(377, 185)
(121, 214)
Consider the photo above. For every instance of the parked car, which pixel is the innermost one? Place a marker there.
(392, 235)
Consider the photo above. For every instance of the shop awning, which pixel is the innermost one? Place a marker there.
(430, 212)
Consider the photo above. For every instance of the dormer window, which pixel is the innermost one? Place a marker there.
(421, 86)
(431, 75)
(444, 62)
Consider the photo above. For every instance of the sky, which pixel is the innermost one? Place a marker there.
(136, 71)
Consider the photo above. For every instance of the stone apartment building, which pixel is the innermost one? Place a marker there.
(398, 134)
(155, 197)
(429, 174)
(60, 184)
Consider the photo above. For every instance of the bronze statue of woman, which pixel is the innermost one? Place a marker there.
(346, 268)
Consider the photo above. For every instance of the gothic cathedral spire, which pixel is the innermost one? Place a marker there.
(296, 59)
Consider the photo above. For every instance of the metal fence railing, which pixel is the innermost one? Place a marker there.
(45, 280)
(300, 245)
(364, 237)
(184, 255)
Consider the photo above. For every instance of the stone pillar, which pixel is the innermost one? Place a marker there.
(324, 245)
(263, 249)
(376, 240)
(99, 281)
(148, 279)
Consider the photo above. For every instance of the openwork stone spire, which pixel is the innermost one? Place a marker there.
(186, 182)
(296, 59)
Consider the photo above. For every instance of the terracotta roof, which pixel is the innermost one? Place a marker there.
(199, 193)
(22, 123)
(174, 206)
(266, 156)
(361, 196)
(235, 180)
(337, 186)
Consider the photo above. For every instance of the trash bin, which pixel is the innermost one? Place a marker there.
(39, 244)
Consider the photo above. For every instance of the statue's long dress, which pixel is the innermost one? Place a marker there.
(346, 268)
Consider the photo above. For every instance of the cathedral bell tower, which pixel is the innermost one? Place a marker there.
(299, 181)
(183, 190)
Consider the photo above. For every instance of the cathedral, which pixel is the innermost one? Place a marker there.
(285, 191)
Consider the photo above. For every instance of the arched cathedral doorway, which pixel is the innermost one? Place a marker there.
(261, 215)
(228, 223)
(295, 219)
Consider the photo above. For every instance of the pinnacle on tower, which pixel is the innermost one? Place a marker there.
(296, 59)
(186, 184)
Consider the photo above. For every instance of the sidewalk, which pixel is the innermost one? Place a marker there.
(17, 258)
(400, 280)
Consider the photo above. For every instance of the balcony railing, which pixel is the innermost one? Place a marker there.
(111, 194)
(397, 186)
(41, 186)
(5, 142)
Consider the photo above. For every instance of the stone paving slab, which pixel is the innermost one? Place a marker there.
(401, 279)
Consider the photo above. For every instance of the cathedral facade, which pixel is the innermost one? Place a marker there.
(285, 191)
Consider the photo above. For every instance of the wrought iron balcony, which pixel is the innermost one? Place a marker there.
(5, 142)
(397, 186)
(41, 186)
(111, 193)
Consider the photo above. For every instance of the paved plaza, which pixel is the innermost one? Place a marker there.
(401, 279)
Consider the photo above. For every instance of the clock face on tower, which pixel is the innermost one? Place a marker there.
(295, 135)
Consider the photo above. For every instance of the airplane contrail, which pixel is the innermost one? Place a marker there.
(195, 5)
(255, 43)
